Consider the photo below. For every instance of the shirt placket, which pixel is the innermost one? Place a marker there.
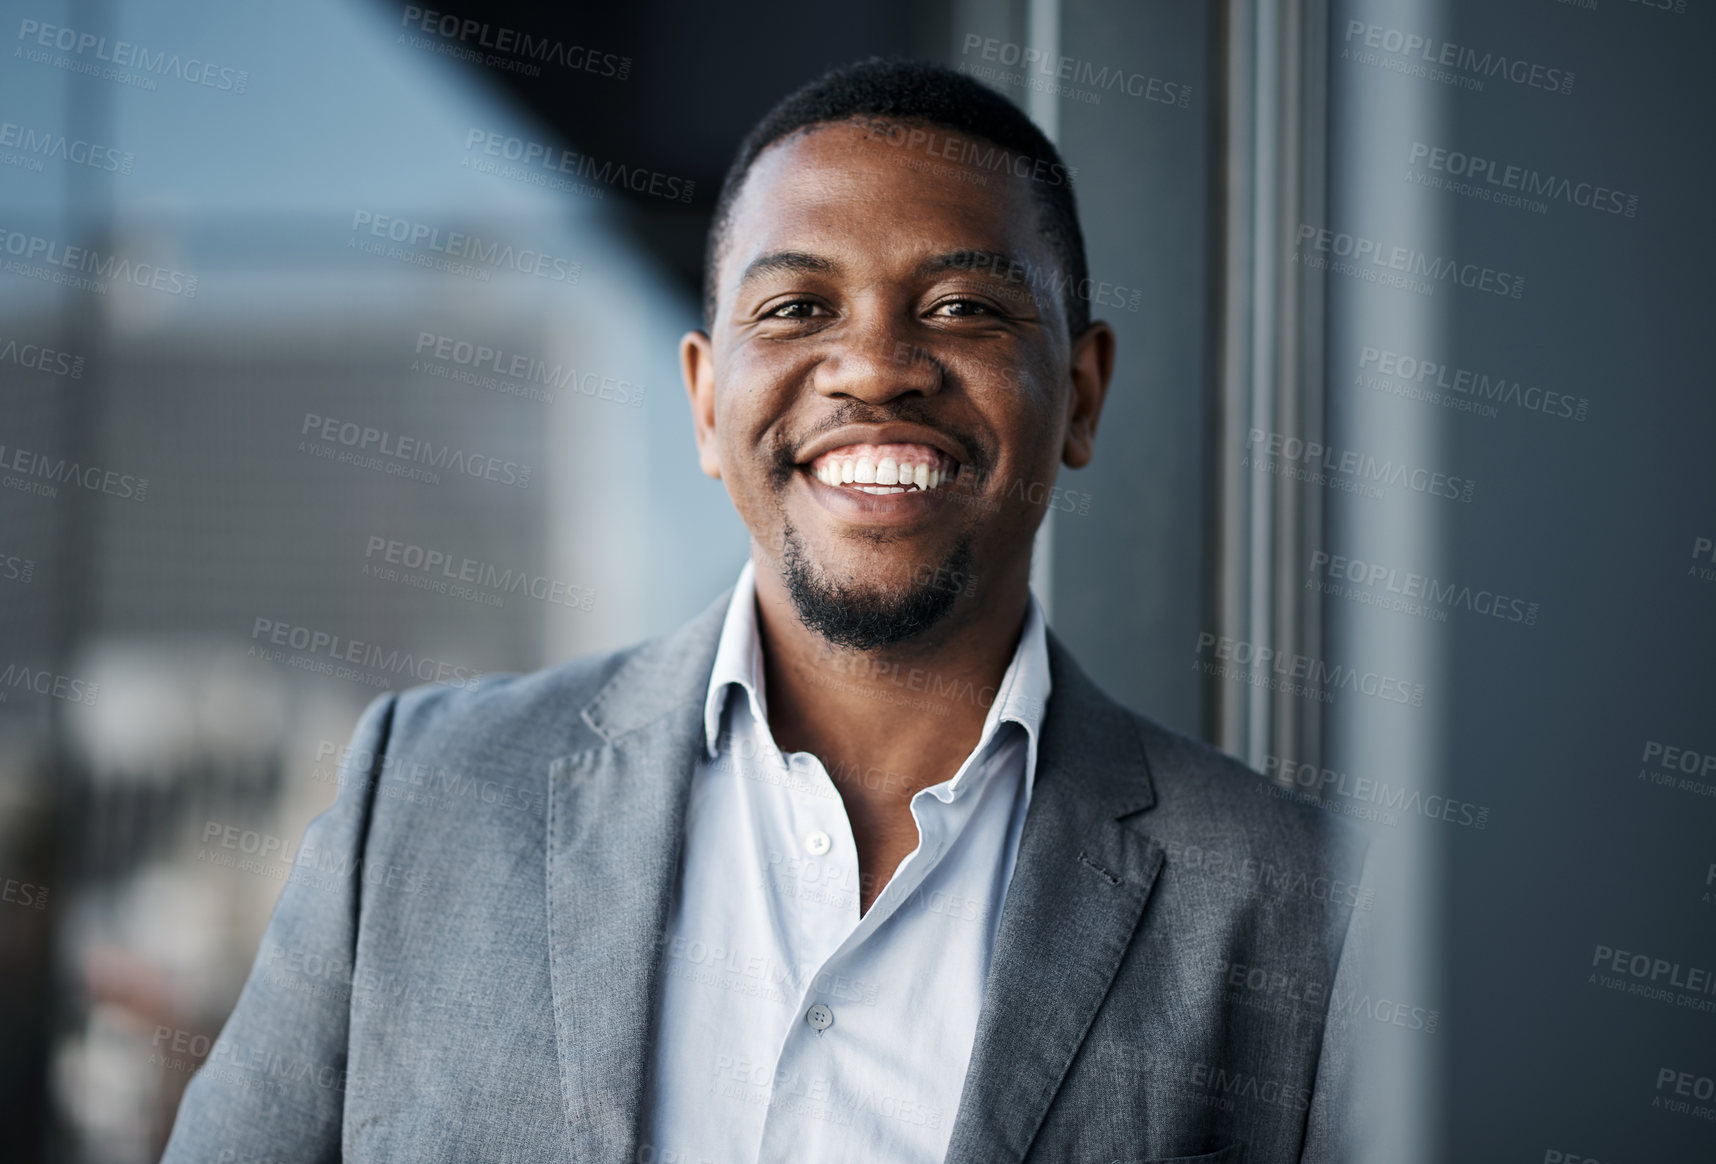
(809, 1068)
(815, 883)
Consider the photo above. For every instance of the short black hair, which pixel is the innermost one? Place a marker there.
(894, 91)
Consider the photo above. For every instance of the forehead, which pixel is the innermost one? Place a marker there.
(882, 196)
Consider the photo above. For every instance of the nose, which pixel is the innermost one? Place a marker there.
(875, 362)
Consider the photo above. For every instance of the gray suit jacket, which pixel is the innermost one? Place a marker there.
(464, 963)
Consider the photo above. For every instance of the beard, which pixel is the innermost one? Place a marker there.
(866, 618)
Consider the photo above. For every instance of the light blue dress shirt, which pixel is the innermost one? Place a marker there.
(790, 1028)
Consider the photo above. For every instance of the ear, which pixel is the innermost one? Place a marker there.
(1092, 366)
(697, 366)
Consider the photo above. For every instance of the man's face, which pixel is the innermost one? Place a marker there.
(888, 385)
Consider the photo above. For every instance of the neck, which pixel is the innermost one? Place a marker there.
(911, 711)
(891, 722)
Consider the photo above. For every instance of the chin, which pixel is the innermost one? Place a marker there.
(866, 613)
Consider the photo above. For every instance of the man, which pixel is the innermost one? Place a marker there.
(857, 866)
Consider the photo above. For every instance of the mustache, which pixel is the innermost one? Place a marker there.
(784, 456)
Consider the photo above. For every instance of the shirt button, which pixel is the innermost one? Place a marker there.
(817, 843)
(820, 1017)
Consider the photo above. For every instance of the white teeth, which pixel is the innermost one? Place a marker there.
(886, 475)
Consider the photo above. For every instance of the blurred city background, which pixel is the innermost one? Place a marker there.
(1463, 240)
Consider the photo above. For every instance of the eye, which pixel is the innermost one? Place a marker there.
(794, 309)
(963, 309)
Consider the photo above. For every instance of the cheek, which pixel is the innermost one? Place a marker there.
(753, 390)
(1028, 415)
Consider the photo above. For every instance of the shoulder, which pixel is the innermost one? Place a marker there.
(1189, 795)
(510, 701)
(560, 710)
(1212, 806)
(458, 768)
(538, 707)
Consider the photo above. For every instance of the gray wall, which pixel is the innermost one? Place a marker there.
(1129, 576)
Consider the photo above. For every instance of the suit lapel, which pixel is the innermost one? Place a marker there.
(1079, 887)
(616, 815)
(615, 826)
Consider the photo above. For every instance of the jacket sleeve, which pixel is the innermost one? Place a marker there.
(274, 1084)
(1334, 1132)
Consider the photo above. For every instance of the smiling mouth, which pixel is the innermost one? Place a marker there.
(882, 469)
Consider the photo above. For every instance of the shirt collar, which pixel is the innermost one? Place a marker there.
(738, 659)
(1021, 697)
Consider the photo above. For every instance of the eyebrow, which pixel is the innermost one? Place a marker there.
(999, 264)
(790, 261)
(995, 264)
